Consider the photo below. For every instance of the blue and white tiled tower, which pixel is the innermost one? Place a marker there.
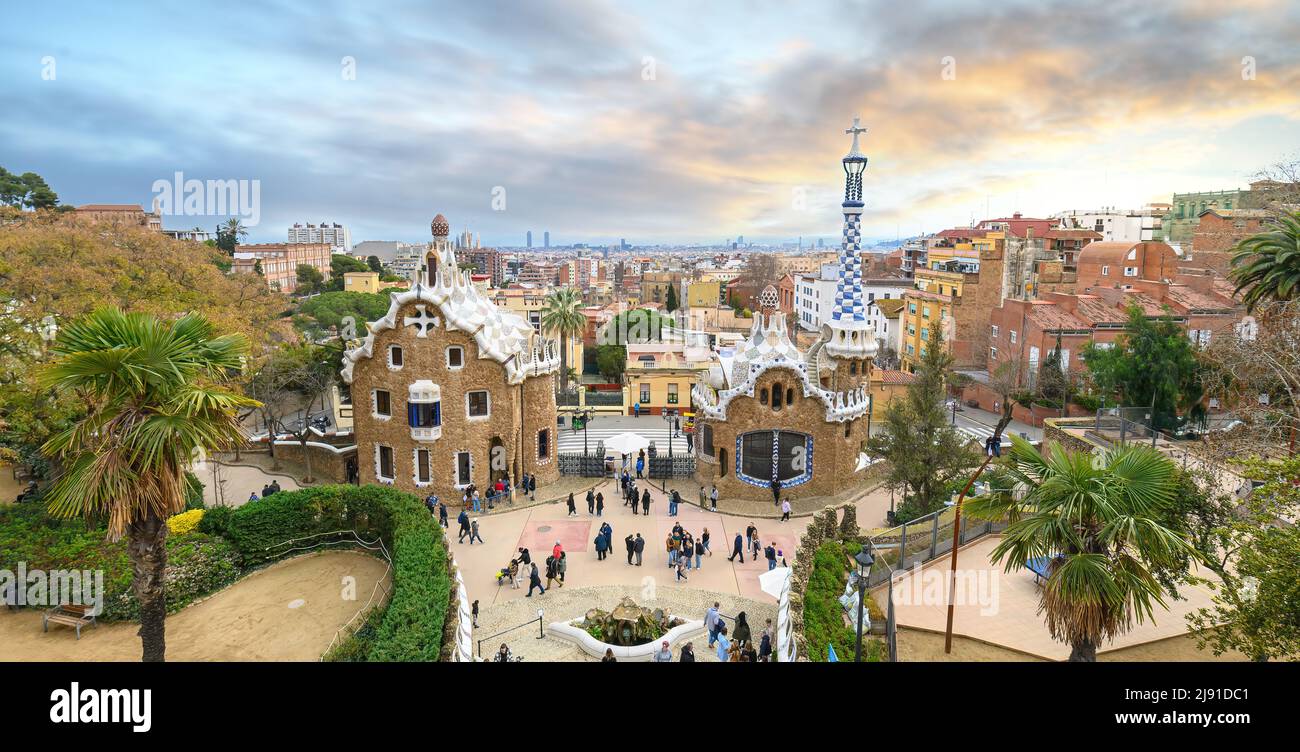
(848, 333)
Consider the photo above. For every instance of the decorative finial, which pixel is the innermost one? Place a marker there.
(855, 130)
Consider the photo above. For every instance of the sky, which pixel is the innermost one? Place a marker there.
(663, 122)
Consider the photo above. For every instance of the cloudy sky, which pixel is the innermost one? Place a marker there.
(658, 122)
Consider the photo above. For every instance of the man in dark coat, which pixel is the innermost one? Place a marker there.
(640, 548)
(463, 519)
(591, 501)
(645, 501)
(532, 487)
(631, 547)
(534, 581)
(600, 546)
(738, 549)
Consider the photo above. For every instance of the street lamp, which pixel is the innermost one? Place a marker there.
(953, 405)
(864, 560)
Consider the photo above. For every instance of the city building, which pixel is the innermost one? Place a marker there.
(279, 262)
(125, 214)
(450, 390)
(958, 291)
(660, 375)
(1117, 225)
(361, 282)
(770, 416)
(335, 235)
(487, 261)
(1117, 264)
(1220, 230)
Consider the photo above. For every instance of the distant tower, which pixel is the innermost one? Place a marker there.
(546, 239)
(848, 333)
(530, 238)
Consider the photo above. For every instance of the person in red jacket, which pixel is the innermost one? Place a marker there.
(557, 551)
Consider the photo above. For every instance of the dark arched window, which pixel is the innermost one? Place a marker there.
(762, 395)
(777, 393)
(789, 395)
(706, 440)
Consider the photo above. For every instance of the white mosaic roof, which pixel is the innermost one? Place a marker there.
(454, 301)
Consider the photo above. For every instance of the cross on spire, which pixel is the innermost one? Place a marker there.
(855, 130)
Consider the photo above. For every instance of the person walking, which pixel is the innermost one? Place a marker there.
(741, 635)
(640, 465)
(755, 548)
(473, 535)
(672, 552)
(562, 566)
(664, 654)
(776, 492)
(557, 550)
(534, 581)
(552, 574)
(632, 497)
(713, 499)
(785, 510)
(751, 532)
(600, 504)
(608, 532)
(704, 541)
(737, 549)
(591, 501)
(631, 547)
(442, 513)
(770, 553)
(681, 571)
(704, 498)
(765, 644)
(640, 548)
(645, 501)
(636, 409)
(699, 552)
(463, 520)
(724, 645)
(688, 551)
(713, 621)
(513, 571)
(573, 510)
(688, 653)
(532, 488)
(600, 545)
(525, 557)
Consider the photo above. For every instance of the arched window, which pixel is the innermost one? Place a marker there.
(789, 395)
(777, 393)
(762, 395)
(785, 456)
(706, 440)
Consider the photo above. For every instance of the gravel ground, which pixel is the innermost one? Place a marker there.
(564, 604)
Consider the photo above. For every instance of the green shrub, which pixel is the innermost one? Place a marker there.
(197, 564)
(216, 521)
(411, 625)
(193, 491)
(1087, 402)
(823, 618)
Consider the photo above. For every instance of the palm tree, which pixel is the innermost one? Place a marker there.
(562, 317)
(1098, 520)
(154, 395)
(1268, 263)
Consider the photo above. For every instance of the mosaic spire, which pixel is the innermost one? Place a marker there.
(850, 335)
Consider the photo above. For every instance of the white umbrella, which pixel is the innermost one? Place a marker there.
(626, 443)
(773, 580)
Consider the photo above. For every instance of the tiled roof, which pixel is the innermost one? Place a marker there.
(110, 207)
(890, 307)
(1195, 300)
(1052, 318)
(896, 377)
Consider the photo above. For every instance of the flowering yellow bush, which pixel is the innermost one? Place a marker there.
(184, 522)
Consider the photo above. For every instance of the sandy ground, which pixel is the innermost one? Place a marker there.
(289, 611)
(920, 645)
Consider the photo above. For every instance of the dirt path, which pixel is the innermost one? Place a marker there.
(287, 612)
(922, 645)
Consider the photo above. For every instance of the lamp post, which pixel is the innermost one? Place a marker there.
(953, 405)
(864, 560)
(668, 418)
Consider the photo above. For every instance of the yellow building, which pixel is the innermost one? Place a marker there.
(654, 286)
(922, 311)
(527, 302)
(703, 294)
(660, 376)
(361, 282)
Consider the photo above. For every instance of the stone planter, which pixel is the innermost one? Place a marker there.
(563, 630)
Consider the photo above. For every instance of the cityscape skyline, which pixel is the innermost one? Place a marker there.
(602, 125)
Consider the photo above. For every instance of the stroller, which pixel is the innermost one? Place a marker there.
(509, 574)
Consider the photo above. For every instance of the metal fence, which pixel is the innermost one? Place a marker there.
(604, 398)
(677, 466)
(915, 543)
(586, 465)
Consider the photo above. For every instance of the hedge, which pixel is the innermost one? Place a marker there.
(197, 564)
(412, 623)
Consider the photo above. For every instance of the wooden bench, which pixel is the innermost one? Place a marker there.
(70, 614)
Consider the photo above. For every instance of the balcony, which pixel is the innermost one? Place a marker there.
(426, 433)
